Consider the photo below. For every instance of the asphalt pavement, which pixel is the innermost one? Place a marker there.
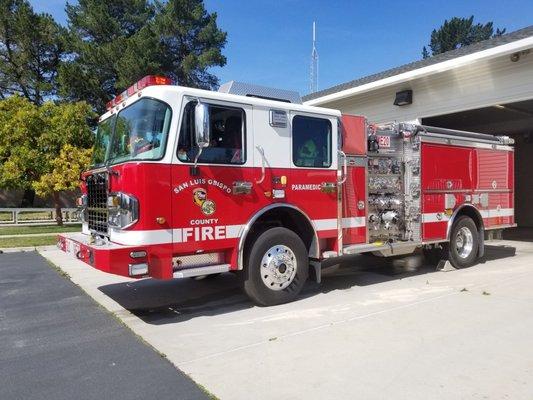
(57, 343)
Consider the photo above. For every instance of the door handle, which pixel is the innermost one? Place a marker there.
(263, 162)
(242, 187)
(328, 187)
(344, 167)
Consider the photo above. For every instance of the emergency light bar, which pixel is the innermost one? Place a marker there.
(148, 80)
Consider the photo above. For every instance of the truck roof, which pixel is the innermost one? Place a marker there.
(157, 91)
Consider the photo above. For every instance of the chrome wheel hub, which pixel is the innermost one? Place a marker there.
(464, 243)
(278, 267)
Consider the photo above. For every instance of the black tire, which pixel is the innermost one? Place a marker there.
(254, 284)
(457, 258)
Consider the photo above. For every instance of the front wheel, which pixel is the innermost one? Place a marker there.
(276, 267)
(464, 243)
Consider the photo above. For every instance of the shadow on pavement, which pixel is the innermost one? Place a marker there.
(493, 252)
(164, 302)
(518, 233)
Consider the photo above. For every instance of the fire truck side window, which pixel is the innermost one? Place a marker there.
(227, 136)
(311, 142)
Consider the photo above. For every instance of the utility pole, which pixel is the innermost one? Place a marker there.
(313, 78)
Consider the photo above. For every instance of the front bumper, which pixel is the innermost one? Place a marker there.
(117, 259)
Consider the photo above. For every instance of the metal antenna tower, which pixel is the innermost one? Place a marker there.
(313, 76)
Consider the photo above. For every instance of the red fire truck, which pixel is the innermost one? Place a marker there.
(188, 182)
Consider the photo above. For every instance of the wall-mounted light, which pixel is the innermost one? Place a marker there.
(403, 98)
(515, 57)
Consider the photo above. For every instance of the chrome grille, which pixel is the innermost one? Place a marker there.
(97, 211)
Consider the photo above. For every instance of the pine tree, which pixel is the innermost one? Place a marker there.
(190, 42)
(113, 44)
(30, 51)
(459, 32)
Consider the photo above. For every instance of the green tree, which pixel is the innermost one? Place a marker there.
(64, 174)
(190, 42)
(32, 138)
(99, 31)
(30, 51)
(459, 32)
(113, 44)
(20, 122)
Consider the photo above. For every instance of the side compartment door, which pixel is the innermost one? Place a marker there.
(354, 201)
(495, 176)
(446, 170)
(354, 190)
(207, 215)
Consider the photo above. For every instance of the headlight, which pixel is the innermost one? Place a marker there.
(81, 202)
(123, 210)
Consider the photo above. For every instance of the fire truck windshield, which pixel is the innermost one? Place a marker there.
(137, 132)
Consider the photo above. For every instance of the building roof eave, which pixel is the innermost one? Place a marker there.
(498, 51)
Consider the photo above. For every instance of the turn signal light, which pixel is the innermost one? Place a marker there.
(138, 254)
(113, 201)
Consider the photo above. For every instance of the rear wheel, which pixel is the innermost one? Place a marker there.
(464, 243)
(276, 267)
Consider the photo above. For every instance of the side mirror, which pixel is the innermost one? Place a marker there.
(201, 125)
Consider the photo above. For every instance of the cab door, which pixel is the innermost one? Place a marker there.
(272, 157)
(313, 179)
(207, 213)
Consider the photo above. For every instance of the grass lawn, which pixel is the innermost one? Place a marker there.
(5, 216)
(35, 215)
(39, 216)
(23, 230)
(23, 241)
(27, 215)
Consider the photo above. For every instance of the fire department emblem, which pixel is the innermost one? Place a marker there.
(199, 197)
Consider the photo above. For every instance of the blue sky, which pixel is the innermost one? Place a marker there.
(269, 41)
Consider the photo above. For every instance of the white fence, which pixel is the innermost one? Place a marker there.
(36, 216)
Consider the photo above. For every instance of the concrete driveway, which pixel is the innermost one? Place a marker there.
(371, 334)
